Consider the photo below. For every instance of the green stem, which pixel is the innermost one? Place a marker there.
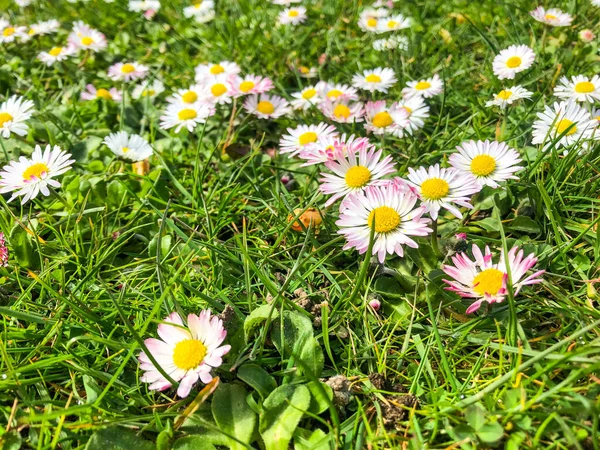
(434, 239)
(4, 149)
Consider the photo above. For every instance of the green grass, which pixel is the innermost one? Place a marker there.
(93, 272)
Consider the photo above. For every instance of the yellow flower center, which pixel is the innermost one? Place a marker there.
(488, 282)
(35, 171)
(309, 93)
(434, 188)
(358, 176)
(189, 354)
(373, 78)
(334, 93)
(304, 69)
(5, 117)
(246, 86)
(483, 165)
(308, 138)
(408, 110)
(189, 97)
(597, 118)
(584, 87)
(217, 69)
(372, 22)
(341, 111)
(513, 61)
(265, 107)
(386, 219)
(563, 125)
(422, 85)
(31, 32)
(293, 13)
(124, 149)
(103, 93)
(8, 31)
(187, 114)
(148, 92)
(550, 17)
(504, 94)
(218, 89)
(55, 51)
(87, 40)
(392, 24)
(382, 119)
(198, 4)
(127, 68)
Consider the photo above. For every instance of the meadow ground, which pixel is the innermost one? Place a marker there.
(329, 347)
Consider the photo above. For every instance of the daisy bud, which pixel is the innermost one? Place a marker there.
(586, 35)
(375, 304)
(592, 293)
(141, 167)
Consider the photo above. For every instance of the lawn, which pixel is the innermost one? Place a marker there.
(318, 225)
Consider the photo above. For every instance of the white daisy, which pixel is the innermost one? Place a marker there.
(489, 162)
(369, 18)
(292, 16)
(553, 16)
(306, 98)
(86, 38)
(224, 68)
(9, 33)
(133, 148)
(13, 114)
(45, 27)
(580, 88)
(217, 89)
(441, 188)
(190, 95)
(265, 106)
(379, 79)
(188, 115)
(390, 43)
(326, 148)
(91, 93)
(127, 71)
(303, 136)
(56, 54)
(424, 88)
(199, 8)
(149, 90)
(27, 177)
(379, 119)
(342, 111)
(508, 96)
(336, 91)
(144, 5)
(393, 23)
(512, 60)
(249, 84)
(410, 114)
(285, 2)
(308, 72)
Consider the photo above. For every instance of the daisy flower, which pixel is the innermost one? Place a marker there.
(586, 35)
(553, 16)
(512, 60)
(509, 95)
(190, 95)
(13, 114)
(292, 16)
(186, 353)
(336, 91)
(489, 162)
(580, 88)
(379, 79)
(23, 3)
(133, 148)
(410, 114)
(305, 135)
(285, 2)
(150, 90)
(45, 27)
(566, 118)
(380, 119)
(326, 148)
(86, 38)
(370, 17)
(387, 211)
(144, 5)
(217, 90)
(224, 68)
(342, 111)
(56, 54)
(353, 172)
(308, 72)
(27, 177)
(399, 42)
(441, 188)
(9, 33)
(486, 281)
(265, 106)
(249, 84)
(424, 88)
(199, 8)
(393, 23)
(91, 93)
(127, 71)
(188, 115)
(306, 98)
(596, 113)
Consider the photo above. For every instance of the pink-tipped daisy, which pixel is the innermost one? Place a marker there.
(326, 148)
(91, 93)
(410, 114)
(265, 106)
(84, 37)
(226, 68)
(336, 91)
(249, 84)
(305, 135)
(379, 119)
(127, 71)
(342, 111)
(553, 16)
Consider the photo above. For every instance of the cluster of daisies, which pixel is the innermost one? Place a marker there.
(201, 10)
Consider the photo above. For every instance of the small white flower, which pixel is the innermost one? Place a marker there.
(9, 33)
(56, 54)
(305, 135)
(508, 96)
(379, 79)
(188, 115)
(217, 89)
(410, 114)
(133, 148)
(148, 90)
(292, 16)
(424, 88)
(224, 68)
(306, 98)
(399, 42)
(393, 23)
(265, 106)
(86, 38)
(379, 119)
(369, 19)
(512, 60)
(580, 88)
(249, 84)
(199, 9)
(190, 95)
(144, 5)
(13, 114)
(127, 71)
(46, 27)
(336, 91)
(342, 111)
(553, 16)
(91, 93)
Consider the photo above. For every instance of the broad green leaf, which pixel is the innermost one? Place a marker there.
(10, 440)
(318, 440)
(193, 443)
(92, 390)
(296, 327)
(117, 438)
(23, 248)
(258, 378)
(164, 248)
(283, 410)
(476, 416)
(257, 317)
(232, 414)
(525, 225)
(311, 356)
(320, 399)
(490, 432)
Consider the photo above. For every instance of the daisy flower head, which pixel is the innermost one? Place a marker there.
(265, 106)
(424, 88)
(336, 91)
(508, 96)
(393, 23)
(187, 353)
(307, 72)
(91, 93)
(354, 171)
(127, 71)
(489, 162)
(305, 135)
(596, 114)
(579, 88)
(45, 27)
(306, 98)
(133, 148)
(553, 16)
(342, 111)
(199, 8)
(369, 19)
(144, 5)
(586, 35)
(390, 43)
(326, 148)
(56, 54)
(86, 38)
(190, 95)
(285, 2)
(512, 60)
(149, 90)
(217, 90)
(486, 281)
(292, 16)
(566, 120)
(13, 114)
(443, 188)
(249, 84)
(186, 115)
(379, 119)
(224, 68)
(23, 3)
(387, 211)
(27, 177)
(379, 79)
(10, 33)
(410, 114)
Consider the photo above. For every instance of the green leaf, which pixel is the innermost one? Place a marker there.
(258, 378)
(476, 416)
(92, 390)
(232, 414)
(525, 225)
(23, 248)
(311, 355)
(193, 443)
(10, 440)
(296, 327)
(117, 438)
(165, 246)
(320, 399)
(116, 193)
(490, 432)
(256, 317)
(283, 410)
(318, 440)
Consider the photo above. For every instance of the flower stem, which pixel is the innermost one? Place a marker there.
(4, 149)
(434, 239)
